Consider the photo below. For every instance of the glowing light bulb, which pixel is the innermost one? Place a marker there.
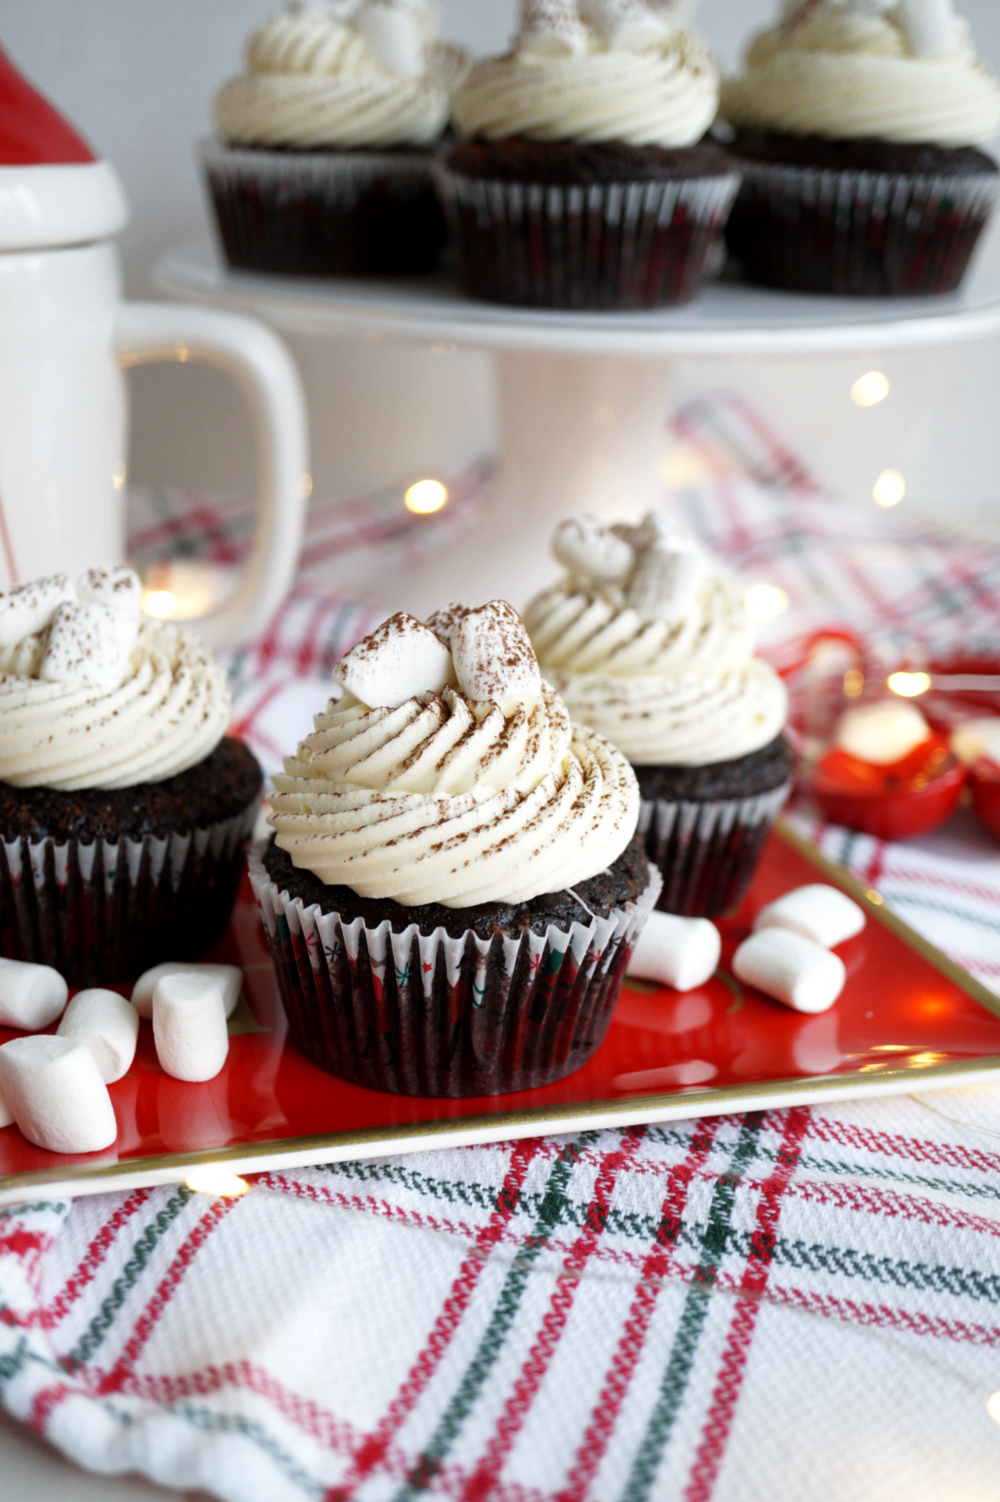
(426, 497)
(890, 488)
(305, 486)
(993, 1406)
(909, 685)
(119, 474)
(765, 601)
(216, 1180)
(158, 602)
(870, 389)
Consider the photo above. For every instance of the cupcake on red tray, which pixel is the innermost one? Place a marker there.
(454, 887)
(649, 645)
(124, 807)
(585, 179)
(888, 773)
(857, 129)
(323, 161)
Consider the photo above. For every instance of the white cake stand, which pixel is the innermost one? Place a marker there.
(583, 397)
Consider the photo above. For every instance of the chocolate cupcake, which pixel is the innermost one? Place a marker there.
(584, 180)
(124, 809)
(454, 887)
(323, 162)
(857, 128)
(650, 646)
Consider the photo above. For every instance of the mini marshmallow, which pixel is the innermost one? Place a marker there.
(31, 996)
(443, 622)
(678, 952)
(189, 1026)
(106, 1024)
(977, 739)
(930, 26)
(584, 546)
(27, 608)
(668, 574)
(89, 645)
(493, 655)
(818, 912)
(794, 970)
(393, 36)
(882, 733)
(55, 1092)
(398, 660)
(626, 25)
(551, 28)
(229, 979)
(118, 588)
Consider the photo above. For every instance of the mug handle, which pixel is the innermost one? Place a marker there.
(259, 362)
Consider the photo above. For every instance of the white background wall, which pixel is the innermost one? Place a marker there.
(137, 77)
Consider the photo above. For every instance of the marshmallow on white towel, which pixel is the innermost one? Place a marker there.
(678, 952)
(189, 1026)
(108, 1025)
(804, 975)
(31, 996)
(818, 912)
(229, 979)
(56, 1095)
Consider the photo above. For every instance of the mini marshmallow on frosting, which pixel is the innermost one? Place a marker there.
(91, 697)
(341, 74)
(647, 644)
(594, 70)
(450, 772)
(852, 69)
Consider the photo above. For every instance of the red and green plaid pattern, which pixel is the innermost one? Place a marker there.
(788, 1306)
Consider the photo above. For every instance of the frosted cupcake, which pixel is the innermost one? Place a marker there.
(454, 886)
(857, 127)
(124, 807)
(648, 645)
(323, 162)
(585, 180)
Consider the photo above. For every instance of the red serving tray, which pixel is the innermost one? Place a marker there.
(908, 1018)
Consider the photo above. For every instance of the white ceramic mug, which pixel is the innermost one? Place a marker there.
(64, 336)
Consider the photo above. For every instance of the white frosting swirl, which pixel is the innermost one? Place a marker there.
(848, 74)
(666, 95)
(312, 80)
(170, 712)
(450, 800)
(684, 693)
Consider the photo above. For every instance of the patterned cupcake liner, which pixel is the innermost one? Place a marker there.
(595, 246)
(325, 213)
(858, 234)
(433, 1015)
(107, 910)
(707, 852)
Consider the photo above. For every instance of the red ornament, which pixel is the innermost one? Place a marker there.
(893, 802)
(32, 131)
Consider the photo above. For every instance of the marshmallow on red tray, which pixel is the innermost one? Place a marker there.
(27, 608)
(229, 979)
(31, 996)
(56, 1095)
(791, 969)
(399, 659)
(108, 1025)
(678, 952)
(818, 912)
(189, 1026)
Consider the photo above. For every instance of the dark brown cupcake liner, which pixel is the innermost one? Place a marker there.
(439, 1016)
(595, 246)
(325, 213)
(858, 234)
(707, 851)
(106, 910)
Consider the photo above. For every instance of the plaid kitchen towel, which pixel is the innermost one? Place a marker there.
(788, 1306)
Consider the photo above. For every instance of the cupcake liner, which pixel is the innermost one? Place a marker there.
(325, 213)
(433, 1015)
(707, 851)
(621, 245)
(107, 910)
(858, 234)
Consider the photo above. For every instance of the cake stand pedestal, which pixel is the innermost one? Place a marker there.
(583, 397)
